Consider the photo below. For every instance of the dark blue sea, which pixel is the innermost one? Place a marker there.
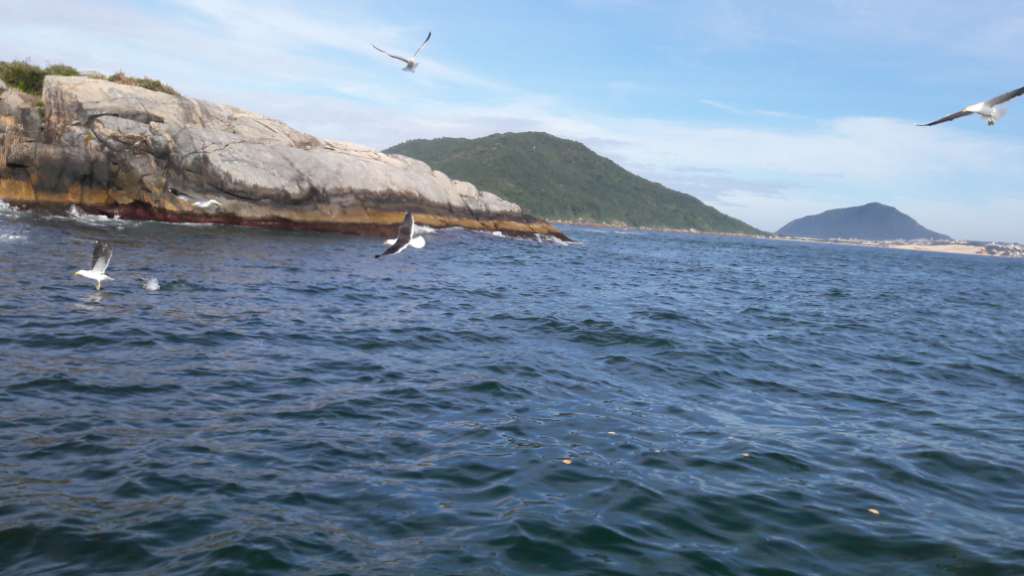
(636, 403)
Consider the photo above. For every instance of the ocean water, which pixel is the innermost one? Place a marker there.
(637, 403)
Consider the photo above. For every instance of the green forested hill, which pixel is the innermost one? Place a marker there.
(560, 179)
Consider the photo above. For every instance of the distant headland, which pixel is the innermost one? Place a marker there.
(873, 221)
(882, 226)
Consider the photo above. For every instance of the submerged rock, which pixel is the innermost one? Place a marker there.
(123, 150)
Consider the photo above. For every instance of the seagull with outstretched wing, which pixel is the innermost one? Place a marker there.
(101, 254)
(405, 237)
(410, 63)
(987, 109)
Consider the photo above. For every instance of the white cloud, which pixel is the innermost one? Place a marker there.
(290, 31)
(267, 24)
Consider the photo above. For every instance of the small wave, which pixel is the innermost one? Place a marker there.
(75, 214)
(11, 237)
(496, 389)
(59, 384)
(7, 209)
(422, 229)
(543, 238)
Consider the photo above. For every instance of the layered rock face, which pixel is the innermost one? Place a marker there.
(127, 151)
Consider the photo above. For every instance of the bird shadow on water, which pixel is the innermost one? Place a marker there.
(96, 300)
(91, 300)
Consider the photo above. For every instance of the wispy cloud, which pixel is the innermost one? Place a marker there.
(744, 112)
(775, 114)
(291, 32)
(721, 106)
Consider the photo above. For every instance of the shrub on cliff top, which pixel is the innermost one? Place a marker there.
(28, 77)
(144, 82)
(60, 70)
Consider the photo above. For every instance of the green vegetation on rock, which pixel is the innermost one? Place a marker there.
(144, 82)
(564, 180)
(28, 77)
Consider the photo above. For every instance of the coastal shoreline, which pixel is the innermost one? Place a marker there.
(959, 247)
(380, 223)
(617, 226)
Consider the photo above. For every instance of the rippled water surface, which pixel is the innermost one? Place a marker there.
(638, 403)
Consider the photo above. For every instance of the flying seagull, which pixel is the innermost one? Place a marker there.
(410, 63)
(100, 260)
(405, 238)
(986, 109)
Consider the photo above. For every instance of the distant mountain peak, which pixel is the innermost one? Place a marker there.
(872, 221)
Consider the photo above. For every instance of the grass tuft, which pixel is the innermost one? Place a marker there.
(144, 82)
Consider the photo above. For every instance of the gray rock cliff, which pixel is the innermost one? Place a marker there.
(124, 150)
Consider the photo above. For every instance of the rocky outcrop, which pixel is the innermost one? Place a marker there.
(1006, 249)
(127, 151)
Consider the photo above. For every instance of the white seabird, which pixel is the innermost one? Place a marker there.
(101, 254)
(206, 203)
(986, 109)
(410, 63)
(405, 237)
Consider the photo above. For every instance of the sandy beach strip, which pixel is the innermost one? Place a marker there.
(943, 248)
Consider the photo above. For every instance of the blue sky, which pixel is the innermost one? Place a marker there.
(767, 110)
